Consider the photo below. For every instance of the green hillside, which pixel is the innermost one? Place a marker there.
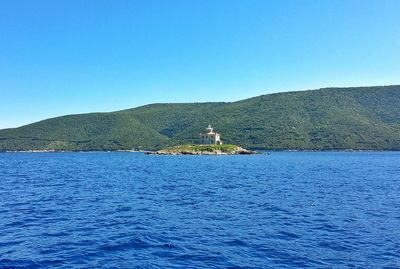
(331, 118)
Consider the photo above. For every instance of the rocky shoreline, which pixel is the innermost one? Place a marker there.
(203, 150)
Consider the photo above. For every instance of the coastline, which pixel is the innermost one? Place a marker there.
(150, 151)
(68, 151)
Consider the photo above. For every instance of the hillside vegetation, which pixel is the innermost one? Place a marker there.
(325, 119)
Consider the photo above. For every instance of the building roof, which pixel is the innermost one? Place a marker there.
(209, 133)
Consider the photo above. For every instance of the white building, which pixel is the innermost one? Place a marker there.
(210, 137)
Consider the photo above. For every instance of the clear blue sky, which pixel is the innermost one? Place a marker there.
(72, 56)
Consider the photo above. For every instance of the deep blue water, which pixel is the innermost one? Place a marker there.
(129, 210)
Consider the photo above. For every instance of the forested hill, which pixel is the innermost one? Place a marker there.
(324, 119)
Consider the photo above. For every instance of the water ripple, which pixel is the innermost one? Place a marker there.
(128, 210)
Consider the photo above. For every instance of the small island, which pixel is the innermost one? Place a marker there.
(210, 144)
(203, 150)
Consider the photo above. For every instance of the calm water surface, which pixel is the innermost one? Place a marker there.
(129, 210)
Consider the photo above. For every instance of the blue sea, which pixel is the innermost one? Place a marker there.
(130, 210)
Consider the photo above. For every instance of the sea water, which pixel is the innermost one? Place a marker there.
(130, 210)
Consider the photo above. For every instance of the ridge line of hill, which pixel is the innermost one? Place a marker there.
(360, 118)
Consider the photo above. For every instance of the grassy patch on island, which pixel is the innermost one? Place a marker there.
(202, 148)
